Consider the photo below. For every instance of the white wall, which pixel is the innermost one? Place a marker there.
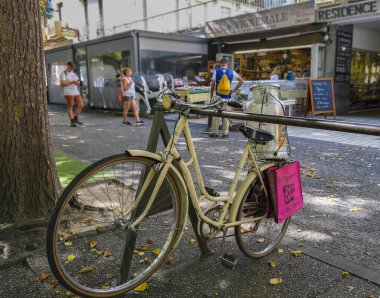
(365, 39)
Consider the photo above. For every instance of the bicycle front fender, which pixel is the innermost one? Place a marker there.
(181, 186)
(247, 182)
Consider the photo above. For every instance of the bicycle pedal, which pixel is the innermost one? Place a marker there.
(212, 192)
(229, 260)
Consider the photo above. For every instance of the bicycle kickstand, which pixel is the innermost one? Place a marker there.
(228, 259)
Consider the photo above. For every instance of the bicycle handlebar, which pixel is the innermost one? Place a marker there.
(170, 100)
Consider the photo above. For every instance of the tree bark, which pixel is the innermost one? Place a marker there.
(29, 184)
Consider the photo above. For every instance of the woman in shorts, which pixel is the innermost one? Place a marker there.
(129, 94)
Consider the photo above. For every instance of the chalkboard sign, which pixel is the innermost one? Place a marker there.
(320, 95)
(343, 56)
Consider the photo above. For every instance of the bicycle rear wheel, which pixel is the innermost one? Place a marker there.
(259, 238)
(90, 247)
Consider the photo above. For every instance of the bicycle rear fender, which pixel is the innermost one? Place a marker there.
(243, 189)
(181, 186)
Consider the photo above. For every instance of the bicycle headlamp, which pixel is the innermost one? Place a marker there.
(167, 102)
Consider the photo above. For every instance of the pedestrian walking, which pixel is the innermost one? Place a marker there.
(129, 96)
(274, 74)
(221, 84)
(70, 82)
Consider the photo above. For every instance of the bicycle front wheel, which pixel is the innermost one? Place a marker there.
(90, 246)
(259, 238)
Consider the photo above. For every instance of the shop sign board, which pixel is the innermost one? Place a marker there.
(320, 97)
(343, 56)
(327, 3)
(286, 16)
(350, 10)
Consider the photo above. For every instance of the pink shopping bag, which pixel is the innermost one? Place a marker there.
(286, 190)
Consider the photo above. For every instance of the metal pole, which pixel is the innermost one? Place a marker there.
(296, 121)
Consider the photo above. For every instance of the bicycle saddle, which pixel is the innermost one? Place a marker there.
(257, 135)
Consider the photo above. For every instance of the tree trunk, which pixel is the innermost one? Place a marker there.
(29, 183)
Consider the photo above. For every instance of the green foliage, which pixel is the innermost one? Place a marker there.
(45, 11)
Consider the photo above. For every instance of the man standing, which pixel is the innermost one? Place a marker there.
(70, 82)
(221, 81)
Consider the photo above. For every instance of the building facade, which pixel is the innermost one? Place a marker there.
(323, 38)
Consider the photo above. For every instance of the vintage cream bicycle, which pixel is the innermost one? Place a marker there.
(117, 221)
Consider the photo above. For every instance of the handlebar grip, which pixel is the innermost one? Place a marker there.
(235, 104)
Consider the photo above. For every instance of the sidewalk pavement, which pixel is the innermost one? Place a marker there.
(371, 117)
(333, 239)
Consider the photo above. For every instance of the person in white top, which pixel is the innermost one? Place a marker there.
(129, 94)
(70, 82)
(274, 74)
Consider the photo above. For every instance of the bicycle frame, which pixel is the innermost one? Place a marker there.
(230, 202)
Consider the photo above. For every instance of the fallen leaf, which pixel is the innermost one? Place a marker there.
(157, 251)
(57, 292)
(335, 233)
(86, 269)
(166, 222)
(193, 241)
(298, 230)
(345, 274)
(275, 281)
(98, 226)
(42, 277)
(280, 250)
(62, 237)
(144, 261)
(142, 287)
(107, 253)
(273, 264)
(332, 196)
(141, 253)
(93, 244)
(350, 288)
(105, 287)
(68, 243)
(70, 258)
(72, 232)
(143, 248)
(355, 209)
(368, 253)
(135, 251)
(329, 186)
(53, 284)
(93, 249)
(170, 260)
(260, 240)
(296, 253)
(371, 296)
(68, 293)
(99, 252)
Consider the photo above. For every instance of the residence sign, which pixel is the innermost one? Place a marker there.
(288, 16)
(351, 10)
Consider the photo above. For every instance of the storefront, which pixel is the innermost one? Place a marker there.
(354, 56)
(284, 39)
(99, 61)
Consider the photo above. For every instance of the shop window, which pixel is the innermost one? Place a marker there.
(259, 65)
(105, 68)
(54, 72)
(365, 79)
(177, 64)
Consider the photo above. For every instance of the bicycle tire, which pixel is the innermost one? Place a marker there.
(88, 238)
(259, 238)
